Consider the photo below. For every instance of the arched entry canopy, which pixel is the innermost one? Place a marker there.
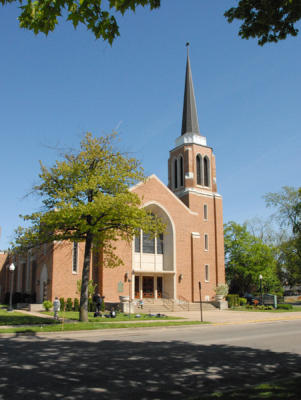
(154, 264)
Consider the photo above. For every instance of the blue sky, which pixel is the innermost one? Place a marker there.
(53, 89)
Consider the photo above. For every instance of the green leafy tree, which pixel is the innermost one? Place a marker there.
(267, 20)
(42, 16)
(288, 205)
(246, 258)
(86, 198)
(91, 287)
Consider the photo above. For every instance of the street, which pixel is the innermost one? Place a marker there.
(152, 363)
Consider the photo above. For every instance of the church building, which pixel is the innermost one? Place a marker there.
(170, 266)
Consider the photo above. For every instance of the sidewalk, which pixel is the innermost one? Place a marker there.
(215, 317)
(218, 317)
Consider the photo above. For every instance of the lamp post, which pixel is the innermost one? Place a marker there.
(11, 270)
(130, 280)
(260, 283)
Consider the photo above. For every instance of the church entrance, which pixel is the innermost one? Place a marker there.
(148, 286)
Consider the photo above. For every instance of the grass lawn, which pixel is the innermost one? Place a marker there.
(244, 308)
(79, 326)
(32, 324)
(74, 315)
(17, 318)
(284, 389)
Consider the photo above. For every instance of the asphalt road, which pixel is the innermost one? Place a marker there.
(144, 364)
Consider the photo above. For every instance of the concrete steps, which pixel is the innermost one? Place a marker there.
(30, 307)
(161, 306)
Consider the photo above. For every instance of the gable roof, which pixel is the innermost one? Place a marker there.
(164, 187)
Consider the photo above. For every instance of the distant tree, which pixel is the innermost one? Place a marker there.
(267, 20)
(86, 198)
(288, 205)
(246, 258)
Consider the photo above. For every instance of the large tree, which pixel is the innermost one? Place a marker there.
(246, 258)
(287, 203)
(86, 198)
(42, 15)
(267, 20)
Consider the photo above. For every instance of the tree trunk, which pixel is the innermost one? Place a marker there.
(83, 308)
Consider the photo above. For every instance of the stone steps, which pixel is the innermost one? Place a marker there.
(30, 307)
(159, 306)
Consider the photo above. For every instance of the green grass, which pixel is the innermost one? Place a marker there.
(79, 326)
(32, 324)
(17, 318)
(286, 389)
(74, 315)
(244, 308)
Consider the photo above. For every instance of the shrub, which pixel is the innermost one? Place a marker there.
(242, 301)
(103, 306)
(47, 305)
(76, 305)
(285, 307)
(62, 301)
(222, 289)
(69, 304)
(233, 300)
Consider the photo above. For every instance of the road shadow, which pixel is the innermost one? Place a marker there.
(40, 368)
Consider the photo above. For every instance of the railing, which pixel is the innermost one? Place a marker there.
(168, 302)
(183, 303)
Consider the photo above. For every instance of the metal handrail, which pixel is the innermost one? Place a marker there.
(183, 302)
(168, 301)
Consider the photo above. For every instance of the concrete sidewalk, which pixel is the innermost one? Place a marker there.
(236, 317)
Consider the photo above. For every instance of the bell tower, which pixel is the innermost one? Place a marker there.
(191, 164)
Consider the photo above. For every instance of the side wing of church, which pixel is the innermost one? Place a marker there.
(170, 266)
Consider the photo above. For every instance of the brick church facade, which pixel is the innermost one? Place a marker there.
(169, 266)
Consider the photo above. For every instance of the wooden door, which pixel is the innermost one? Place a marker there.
(148, 286)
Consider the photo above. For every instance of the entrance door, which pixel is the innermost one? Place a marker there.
(159, 287)
(137, 288)
(148, 287)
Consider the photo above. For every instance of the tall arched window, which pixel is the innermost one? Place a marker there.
(198, 169)
(149, 244)
(181, 171)
(206, 171)
(175, 173)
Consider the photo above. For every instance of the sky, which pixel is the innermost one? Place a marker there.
(54, 89)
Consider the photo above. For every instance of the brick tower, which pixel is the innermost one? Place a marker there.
(192, 178)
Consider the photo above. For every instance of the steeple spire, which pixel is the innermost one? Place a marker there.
(190, 122)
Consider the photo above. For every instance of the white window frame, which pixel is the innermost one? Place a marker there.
(207, 273)
(205, 212)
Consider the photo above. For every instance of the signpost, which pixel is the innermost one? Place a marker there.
(201, 304)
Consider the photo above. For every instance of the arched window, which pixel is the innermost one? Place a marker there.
(198, 169)
(175, 174)
(149, 244)
(181, 171)
(206, 172)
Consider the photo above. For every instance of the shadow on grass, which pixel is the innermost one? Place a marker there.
(42, 368)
